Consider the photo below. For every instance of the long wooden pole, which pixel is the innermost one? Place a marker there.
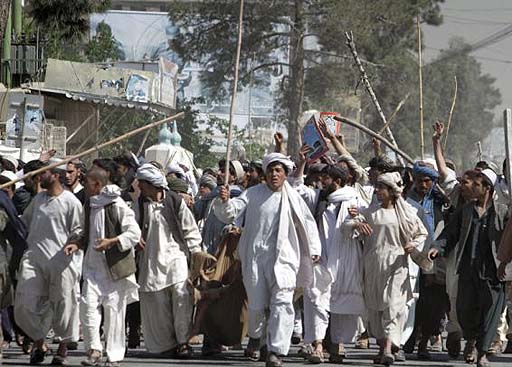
(373, 134)
(420, 72)
(449, 122)
(390, 120)
(235, 86)
(352, 46)
(95, 148)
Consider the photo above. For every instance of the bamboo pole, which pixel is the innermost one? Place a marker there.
(143, 142)
(373, 134)
(420, 72)
(366, 81)
(98, 129)
(449, 122)
(393, 115)
(233, 96)
(391, 119)
(93, 114)
(95, 148)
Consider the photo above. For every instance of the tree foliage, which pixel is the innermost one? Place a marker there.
(208, 34)
(103, 46)
(65, 23)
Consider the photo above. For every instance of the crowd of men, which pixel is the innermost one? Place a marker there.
(327, 252)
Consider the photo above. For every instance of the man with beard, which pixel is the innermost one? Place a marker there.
(75, 170)
(341, 257)
(47, 290)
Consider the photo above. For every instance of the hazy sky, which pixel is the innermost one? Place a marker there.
(475, 20)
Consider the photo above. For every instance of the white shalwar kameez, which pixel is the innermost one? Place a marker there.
(48, 291)
(99, 289)
(342, 256)
(386, 282)
(165, 298)
(278, 239)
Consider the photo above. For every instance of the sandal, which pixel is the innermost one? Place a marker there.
(470, 352)
(387, 359)
(378, 358)
(316, 356)
(184, 351)
(253, 350)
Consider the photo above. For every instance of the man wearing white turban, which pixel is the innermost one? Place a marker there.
(277, 249)
(391, 231)
(169, 237)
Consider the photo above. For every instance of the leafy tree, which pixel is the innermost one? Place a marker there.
(209, 34)
(103, 46)
(65, 23)
(4, 14)
(473, 115)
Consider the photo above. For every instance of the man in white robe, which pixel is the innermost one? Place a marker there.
(170, 236)
(342, 256)
(47, 293)
(108, 269)
(278, 246)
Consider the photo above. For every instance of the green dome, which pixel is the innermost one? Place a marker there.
(175, 135)
(164, 136)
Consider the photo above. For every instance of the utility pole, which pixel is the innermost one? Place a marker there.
(17, 15)
(6, 51)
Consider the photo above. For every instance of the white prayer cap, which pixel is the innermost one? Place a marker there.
(11, 160)
(148, 172)
(432, 162)
(11, 176)
(278, 157)
(63, 167)
(490, 175)
(239, 169)
(175, 168)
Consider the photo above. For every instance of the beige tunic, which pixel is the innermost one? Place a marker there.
(386, 275)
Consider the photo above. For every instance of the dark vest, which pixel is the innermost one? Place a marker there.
(121, 263)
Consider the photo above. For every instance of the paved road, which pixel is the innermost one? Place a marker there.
(14, 357)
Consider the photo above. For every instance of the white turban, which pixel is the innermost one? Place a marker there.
(176, 169)
(148, 172)
(278, 157)
(394, 181)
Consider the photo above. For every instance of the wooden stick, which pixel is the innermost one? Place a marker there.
(103, 122)
(95, 148)
(395, 112)
(235, 85)
(143, 142)
(391, 119)
(373, 134)
(449, 122)
(81, 126)
(479, 148)
(420, 72)
(366, 81)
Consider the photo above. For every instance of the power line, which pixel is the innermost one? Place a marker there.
(487, 41)
(476, 10)
(504, 61)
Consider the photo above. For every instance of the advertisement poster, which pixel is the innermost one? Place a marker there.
(137, 89)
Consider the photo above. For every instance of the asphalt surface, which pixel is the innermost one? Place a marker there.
(14, 357)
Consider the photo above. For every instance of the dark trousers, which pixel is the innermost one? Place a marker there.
(480, 304)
